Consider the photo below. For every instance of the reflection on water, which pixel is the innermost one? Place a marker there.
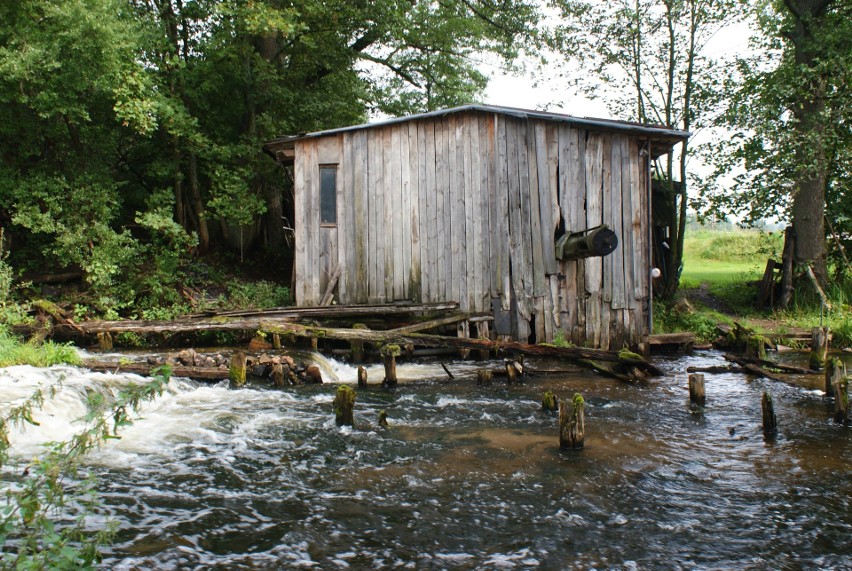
(468, 477)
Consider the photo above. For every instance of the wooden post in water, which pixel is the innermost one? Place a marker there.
(483, 332)
(841, 401)
(819, 348)
(278, 374)
(463, 332)
(105, 341)
(484, 377)
(237, 370)
(390, 352)
(770, 423)
(548, 402)
(572, 426)
(357, 346)
(344, 406)
(362, 377)
(756, 347)
(383, 419)
(276, 341)
(314, 344)
(511, 373)
(697, 395)
(835, 370)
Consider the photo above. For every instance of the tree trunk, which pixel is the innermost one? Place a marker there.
(809, 199)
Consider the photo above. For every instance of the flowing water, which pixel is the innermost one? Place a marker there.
(466, 477)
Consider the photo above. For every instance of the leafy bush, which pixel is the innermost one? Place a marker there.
(13, 352)
(257, 295)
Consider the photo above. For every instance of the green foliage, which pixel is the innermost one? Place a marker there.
(257, 295)
(13, 352)
(45, 523)
(702, 323)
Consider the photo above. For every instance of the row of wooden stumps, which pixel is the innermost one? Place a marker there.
(698, 398)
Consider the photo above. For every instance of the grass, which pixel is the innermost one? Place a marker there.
(14, 352)
(728, 266)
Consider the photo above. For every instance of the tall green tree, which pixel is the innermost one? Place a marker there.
(131, 129)
(647, 60)
(790, 110)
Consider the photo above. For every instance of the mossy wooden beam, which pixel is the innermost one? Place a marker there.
(575, 354)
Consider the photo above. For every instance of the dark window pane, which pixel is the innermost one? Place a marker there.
(328, 195)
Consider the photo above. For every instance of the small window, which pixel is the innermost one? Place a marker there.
(328, 194)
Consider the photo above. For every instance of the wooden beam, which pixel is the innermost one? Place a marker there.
(383, 337)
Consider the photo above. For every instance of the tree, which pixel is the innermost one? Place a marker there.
(117, 116)
(790, 111)
(650, 58)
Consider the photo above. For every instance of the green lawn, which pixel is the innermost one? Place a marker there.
(720, 258)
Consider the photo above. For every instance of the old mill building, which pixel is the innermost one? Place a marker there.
(496, 208)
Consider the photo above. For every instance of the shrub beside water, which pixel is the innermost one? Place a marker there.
(14, 352)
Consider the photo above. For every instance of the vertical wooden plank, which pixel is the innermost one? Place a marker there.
(552, 135)
(344, 212)
(395, 223)
(618, 278)
(429, 251)
(593, 274)
(455, 216)
(643, 272)
(535, 156)
(547, 226)
(567, 284)
(415, 164)
(312, 266)
(360, 186)
(386, 230)
(377, 214)
(476, 269)
(628, 210)
(407, 236)
(525, 298)
(299, 222)
(487, 195)
(502, 235)
(516, 242)
(441, 192)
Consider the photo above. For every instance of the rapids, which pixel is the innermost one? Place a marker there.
(466, 477)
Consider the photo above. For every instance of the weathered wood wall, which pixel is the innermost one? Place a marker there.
(466, 208)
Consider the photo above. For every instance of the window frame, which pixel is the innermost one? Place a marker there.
(333, 167)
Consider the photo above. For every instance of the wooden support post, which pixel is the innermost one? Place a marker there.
(483, 332)
(237, 370)
(383, 419)
(756, 347)
(357, 346)
(484, 377)
(362, 377)
(290, 340)
(770, 424)
(463, 332)
(819, 348)
(105, 341)
(389, 353)
(841, 401)
(314, 344)
(696, 390)
(548, 402)
(276, 341)
(514, 370)
(344, 406)
(278, 374)
(572, 426)
(835, 370)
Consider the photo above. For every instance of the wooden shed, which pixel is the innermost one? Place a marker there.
(467, 204)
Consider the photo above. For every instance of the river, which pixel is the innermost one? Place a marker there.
(466, 477)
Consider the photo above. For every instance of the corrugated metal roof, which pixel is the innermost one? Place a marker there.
(660, 134)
